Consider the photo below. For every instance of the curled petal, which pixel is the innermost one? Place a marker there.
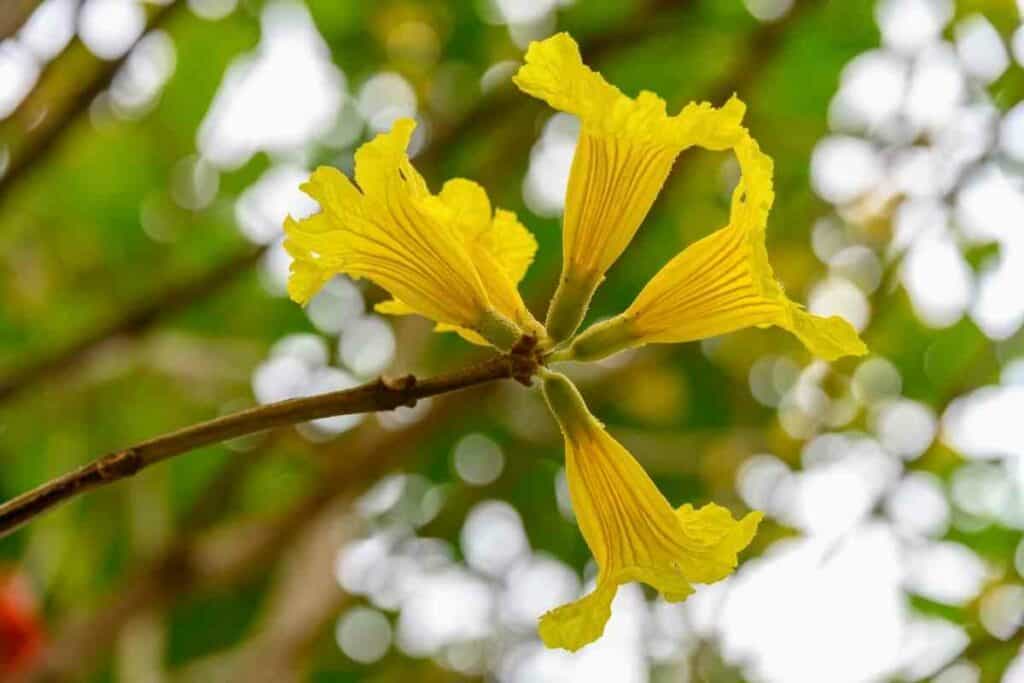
(444, 257)
(554, 72)
(720, 284)
(626, 149)
(579, 623)
(632, 531)
(308, 273)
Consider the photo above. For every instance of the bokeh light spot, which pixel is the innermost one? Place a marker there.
(478, 459)
(493, 538)
(363, 634)
(368, 345)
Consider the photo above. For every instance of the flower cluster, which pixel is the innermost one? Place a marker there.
(451, 258)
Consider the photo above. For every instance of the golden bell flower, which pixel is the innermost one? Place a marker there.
(632, 531)
(624, 154)
(445, 256)
(451, 258)
(720, 284)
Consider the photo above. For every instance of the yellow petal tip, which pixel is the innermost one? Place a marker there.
(553, 71)
(829, 338)
(576, 624)
(304, 281)
(746, 529)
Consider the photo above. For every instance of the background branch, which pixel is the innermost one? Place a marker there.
(65, 90)
(172, 300)
(14, 14)
(302, 603)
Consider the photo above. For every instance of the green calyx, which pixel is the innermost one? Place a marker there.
(569, 305)
(601, 340)
(498, 330)
(565, 401)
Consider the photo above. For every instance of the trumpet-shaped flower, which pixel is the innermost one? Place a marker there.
(633, 532)
(720, 284)
(445, 256)
(625, 151)
(452, 258)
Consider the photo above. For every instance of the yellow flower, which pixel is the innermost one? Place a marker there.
(445, 256)
(452, 258)
(720, 284)
(633, 532)
(625, 151)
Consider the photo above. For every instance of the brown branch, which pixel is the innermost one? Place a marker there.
(14, 14)
(65, 90)
(379, 395)
(177, 297)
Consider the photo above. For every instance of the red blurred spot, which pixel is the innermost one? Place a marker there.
(21, 628)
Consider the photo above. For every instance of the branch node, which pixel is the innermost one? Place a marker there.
(401, 386)
(524, 359)
(119, 465)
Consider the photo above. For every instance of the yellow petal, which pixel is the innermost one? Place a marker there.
(396, 307)
(612, 185)
(339, 199)
(470, 207)
(829, 338)
(511, 244)
(383, 162)
(393, 307)
(501, 235)
(720, 284)
(469, 335)
(579, 623)
(307, 273)
(305, 279)
(411, 243)
(632, 531)
(624, 154)
(500, 246)
(554, 72)
(720, 537)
